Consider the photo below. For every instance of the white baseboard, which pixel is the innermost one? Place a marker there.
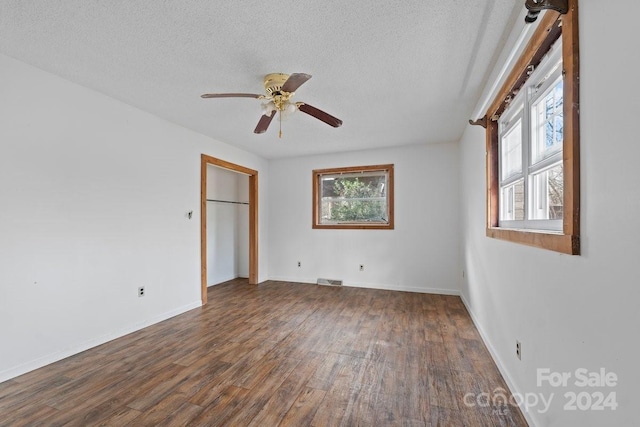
(496, 357)
(382, 286)
(59, 355)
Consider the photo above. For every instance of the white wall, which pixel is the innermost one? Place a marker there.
(227, 225)
(570, 312)
(421, 254)
(94, 196)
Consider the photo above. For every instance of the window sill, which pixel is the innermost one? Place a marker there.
(550, 240)
(361, 226)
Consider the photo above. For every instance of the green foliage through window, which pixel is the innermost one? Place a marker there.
(355, 199)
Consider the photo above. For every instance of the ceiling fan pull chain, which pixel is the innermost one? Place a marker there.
(280, 117)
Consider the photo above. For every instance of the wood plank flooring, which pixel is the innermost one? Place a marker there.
(277, 354)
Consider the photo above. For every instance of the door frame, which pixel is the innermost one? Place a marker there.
(205, 161)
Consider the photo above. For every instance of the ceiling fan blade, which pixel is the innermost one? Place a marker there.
(230, 95)
(264, 123)
(294, 81)
(320, 115)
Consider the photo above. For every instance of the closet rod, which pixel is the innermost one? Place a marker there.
(227, 201)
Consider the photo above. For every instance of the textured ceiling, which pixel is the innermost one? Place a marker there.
(396, 73)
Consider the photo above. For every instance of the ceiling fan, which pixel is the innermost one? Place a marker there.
(280, 89)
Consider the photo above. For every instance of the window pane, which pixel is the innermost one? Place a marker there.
(354, 198)
(547, 191)
(547, 124)
(512, 151)
(512, 202)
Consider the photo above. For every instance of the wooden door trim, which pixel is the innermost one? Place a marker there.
(205, 161)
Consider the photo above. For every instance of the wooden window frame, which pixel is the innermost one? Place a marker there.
(552, 26)
(352, 169)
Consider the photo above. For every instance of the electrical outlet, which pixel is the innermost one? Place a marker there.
(141, 291)
(299, 264)
(518, 350)
(361, 267)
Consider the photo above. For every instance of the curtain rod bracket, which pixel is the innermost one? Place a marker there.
(534, 7)
(480, 122)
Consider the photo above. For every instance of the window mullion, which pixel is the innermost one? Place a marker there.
(526, 149)
(511, 180)
(546, 163)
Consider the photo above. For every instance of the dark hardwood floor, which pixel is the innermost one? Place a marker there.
(278, 354)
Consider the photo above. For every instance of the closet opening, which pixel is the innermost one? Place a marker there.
(228, 222)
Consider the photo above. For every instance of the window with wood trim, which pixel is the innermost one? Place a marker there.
(359, 197)
(533, 161)
(530, 137)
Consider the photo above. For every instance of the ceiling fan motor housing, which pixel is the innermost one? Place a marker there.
(273, 83)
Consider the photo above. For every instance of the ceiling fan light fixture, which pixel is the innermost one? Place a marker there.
(267, 108)
(288, 109)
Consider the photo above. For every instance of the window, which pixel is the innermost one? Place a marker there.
(358, 197)
(533, 171)
(530, 135)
